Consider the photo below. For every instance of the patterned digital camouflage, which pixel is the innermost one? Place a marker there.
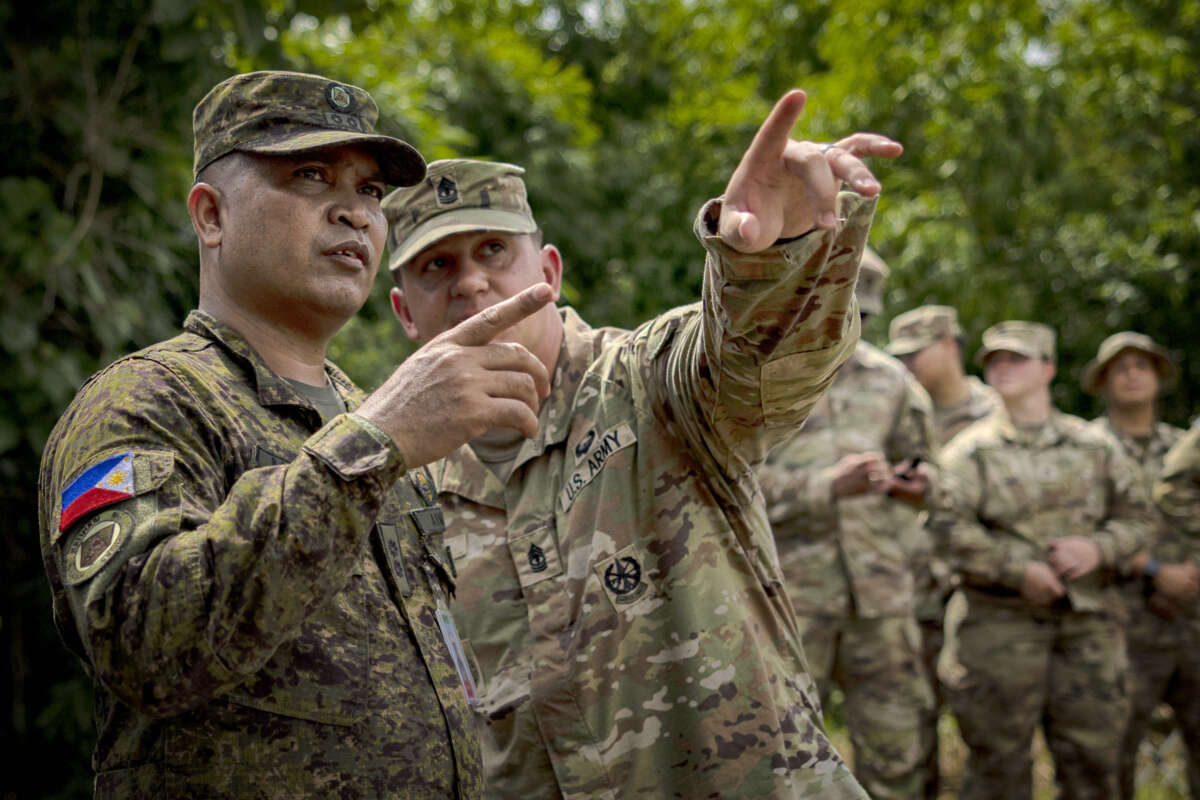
(258, 617)
(274, 112)
(848, 562)
(1164, 654)
(1177, 492)
(1012, 492)
(621, 590)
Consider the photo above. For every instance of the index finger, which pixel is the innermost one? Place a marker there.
(773, 134)
(495, 320)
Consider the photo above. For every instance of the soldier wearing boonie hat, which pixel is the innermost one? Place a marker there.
(1130, 371)
(235, 543)
(1029, 339)
(1093, 376)
(277, 113)
(1045, 509)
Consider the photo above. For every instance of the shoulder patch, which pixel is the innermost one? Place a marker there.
(95, 545)
(100, 485)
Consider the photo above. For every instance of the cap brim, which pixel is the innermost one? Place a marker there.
(907, 346)
(1089, 379)
(462, 220)
(402, 165)
(1011, 345)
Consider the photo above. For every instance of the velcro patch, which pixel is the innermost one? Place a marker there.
(94, 546)
(102, 484)
(592, 457)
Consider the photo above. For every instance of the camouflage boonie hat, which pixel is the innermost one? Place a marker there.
(458, 195)
(1030, 339)
(872, 272)
(278, 113)
(916, 329)
(1113, 346)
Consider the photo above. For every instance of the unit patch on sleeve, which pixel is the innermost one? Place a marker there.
(94, 546)
(102, 484)
(596, 450)
(623, 577)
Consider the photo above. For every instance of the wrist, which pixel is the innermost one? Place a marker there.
(1151, 568)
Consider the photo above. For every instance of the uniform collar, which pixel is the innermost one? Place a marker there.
(1158, 444)
(272, 389)
(464, 474)
(1047, 435)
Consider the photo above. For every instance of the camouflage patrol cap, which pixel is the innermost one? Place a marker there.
(275, 112)
(458, 195)
(916, 329)
(1093, 372)
(872, 272)
(1030, 339)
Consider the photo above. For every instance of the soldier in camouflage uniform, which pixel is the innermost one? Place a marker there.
(1177, 496)
(619, 587)
(1042, 511)
(1160, 591)
(929, 341)
(233, 545)
(846, 548)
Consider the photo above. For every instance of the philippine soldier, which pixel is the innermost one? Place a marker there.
(618, 583)
(929, 341)
(1177, 496)
(1129, 371)
(1043, 510)
(846, 544)
(234, 548)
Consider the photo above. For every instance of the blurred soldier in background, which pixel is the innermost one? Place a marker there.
(845, 542)
(1042, 510)
(1129, 371)
(929, 341)
(1177, 496)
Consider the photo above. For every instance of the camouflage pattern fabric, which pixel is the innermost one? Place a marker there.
(258, 616)
(848, 562)
(877, 663)
(980, 402)
(273, 112)
(1164, 654)
(1066, 672)
(1012, 492)
(621, 591)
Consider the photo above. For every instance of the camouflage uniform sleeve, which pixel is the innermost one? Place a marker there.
(1128, 523)
(912, 435)
(774, 327)
(954, 523)
(798, 499)
(206, 579)
(1177, 491)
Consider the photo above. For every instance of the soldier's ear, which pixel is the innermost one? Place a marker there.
(403, 314)
(204, 206)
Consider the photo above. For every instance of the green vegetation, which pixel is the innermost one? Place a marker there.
(1052, 172)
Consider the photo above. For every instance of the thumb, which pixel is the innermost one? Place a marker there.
(494, 320)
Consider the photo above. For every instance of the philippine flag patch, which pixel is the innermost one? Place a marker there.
(104, 484)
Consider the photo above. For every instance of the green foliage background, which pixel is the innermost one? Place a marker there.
(1052, 172)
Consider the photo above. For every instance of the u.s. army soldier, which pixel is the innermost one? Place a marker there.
(618, 583)
(929, 340)
(847, 549)
(1129, 371)
(1043, 510)
(234, 548)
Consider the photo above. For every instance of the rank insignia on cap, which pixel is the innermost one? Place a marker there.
(103, 484)
(537, 558)
(447, 191)
(96, 545)
(339, 97)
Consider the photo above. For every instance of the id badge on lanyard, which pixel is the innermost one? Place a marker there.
(450, 635)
